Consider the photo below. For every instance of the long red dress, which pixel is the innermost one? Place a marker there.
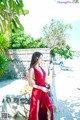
(40, 102)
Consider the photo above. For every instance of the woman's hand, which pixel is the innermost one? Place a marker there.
(47, 85)
(44, 89)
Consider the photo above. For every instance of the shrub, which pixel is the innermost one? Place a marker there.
(21, 40)
(4, 44)
(3, 64)
(65, 52)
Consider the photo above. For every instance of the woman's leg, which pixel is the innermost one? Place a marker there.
(34, 106)
(49, 106)
(43, 112)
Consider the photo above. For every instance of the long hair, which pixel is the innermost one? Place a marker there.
(35, 58)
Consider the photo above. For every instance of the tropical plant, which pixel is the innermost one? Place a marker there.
(10, 10)
(37, 43)
(55, 34)
(3, 64)
(4, 44)
(65, 52)
(20, 40)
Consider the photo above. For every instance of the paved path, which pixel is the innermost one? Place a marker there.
(11, 87)
(67, 95)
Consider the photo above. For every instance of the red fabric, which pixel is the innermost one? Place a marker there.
(39, 78)
(43, 98)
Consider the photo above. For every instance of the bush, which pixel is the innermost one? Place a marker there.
(21, 40)
(4, 44)
(3, 64)
(64, 52)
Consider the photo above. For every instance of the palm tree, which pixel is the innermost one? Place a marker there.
(10, 10)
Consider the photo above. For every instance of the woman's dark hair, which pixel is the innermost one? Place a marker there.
(35, 58)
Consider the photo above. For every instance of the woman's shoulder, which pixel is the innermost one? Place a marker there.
(31, 69)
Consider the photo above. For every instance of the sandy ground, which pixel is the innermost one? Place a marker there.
(66, 84)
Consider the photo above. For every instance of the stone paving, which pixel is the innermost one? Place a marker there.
(67, 94)
(15, 99)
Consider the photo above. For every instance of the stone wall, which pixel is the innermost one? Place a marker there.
(19, 61)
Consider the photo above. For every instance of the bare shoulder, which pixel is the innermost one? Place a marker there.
(31, 70)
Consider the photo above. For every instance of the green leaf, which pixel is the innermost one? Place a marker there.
(18, 22)
(9, 9)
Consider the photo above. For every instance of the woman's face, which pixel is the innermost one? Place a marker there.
(40, 59)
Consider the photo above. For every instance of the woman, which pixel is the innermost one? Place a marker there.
(40, 104)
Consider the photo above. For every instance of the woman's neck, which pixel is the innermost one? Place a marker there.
(37, 66)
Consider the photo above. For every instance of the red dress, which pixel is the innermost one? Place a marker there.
(40, 102)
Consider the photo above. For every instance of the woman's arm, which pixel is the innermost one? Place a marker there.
(44, 89)
(32, 83)
(30, 77)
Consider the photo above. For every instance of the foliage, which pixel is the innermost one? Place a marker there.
(55, 34)
(10, 10)
(38, 43)
(75, 1)
(21, 40)
(3, 64)
(64, 52)
(4, 44)
(18, 40)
